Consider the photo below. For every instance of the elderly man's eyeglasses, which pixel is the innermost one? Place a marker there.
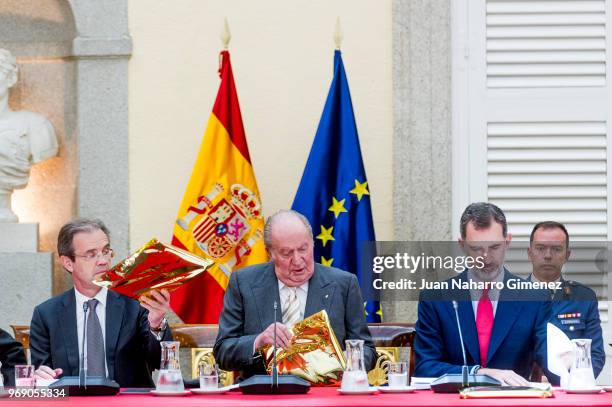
(92, 255)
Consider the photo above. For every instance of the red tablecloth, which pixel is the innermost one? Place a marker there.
(318, 397)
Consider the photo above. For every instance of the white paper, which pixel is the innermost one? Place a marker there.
(560, 353)
(421, 383)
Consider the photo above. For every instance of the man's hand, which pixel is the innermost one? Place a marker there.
(506, 377)
(45, 372)
(158, 304)
(283, 336)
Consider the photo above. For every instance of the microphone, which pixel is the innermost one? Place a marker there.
(83, 370)
(452, 382)
(274, 367)
(277, 384)
(464, 369)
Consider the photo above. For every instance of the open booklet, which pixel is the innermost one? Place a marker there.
(314, 353)
(155, 266)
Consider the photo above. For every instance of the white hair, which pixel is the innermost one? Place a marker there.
(285, 213)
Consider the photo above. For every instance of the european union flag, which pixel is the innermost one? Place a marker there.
(333, 193)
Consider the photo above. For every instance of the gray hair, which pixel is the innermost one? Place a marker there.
(481, 214)
(283, 214)
(70, 229)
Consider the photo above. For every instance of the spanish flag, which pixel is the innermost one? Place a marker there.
(220, 216)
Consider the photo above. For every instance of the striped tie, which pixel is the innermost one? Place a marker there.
(95, 342)
(291, 308)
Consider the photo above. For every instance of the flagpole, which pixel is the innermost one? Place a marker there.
(226, 35)
(338, 35)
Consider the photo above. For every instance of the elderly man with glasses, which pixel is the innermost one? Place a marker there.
(122, 336)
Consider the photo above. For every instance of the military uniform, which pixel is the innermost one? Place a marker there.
(574, 311)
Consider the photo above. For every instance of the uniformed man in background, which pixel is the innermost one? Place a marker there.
(574, 305)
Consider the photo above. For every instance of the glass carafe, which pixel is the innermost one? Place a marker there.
(355, 377)
(170, 378)
(581, 373)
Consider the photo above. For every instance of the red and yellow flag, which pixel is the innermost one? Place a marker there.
(220, 216)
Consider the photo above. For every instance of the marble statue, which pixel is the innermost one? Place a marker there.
(26, 138)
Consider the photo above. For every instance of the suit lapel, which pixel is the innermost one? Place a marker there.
(114, 318)
(265, 293)
(506, 313)
(320, 292)
(468, 328)
(68, 325)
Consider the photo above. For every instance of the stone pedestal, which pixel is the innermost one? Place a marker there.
(25, 273)
(18, 237)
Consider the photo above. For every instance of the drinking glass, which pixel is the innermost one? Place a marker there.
(398, 375)
(24, 376)
(209, 376)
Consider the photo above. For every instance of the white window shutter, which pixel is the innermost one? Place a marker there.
(545, 43)
(532, 106)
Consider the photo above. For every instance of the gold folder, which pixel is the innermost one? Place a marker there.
(155, 266)
(313, 354)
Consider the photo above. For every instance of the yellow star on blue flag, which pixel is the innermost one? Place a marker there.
(325, 235)
(337, 207)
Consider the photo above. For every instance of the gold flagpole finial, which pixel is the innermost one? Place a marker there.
(338, 34)
(226, 36)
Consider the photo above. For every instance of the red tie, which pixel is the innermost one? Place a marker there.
(484, 324)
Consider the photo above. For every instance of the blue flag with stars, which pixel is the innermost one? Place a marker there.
(333, 193)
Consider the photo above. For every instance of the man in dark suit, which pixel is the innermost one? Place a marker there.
(503, 327)
(122, 335)
(574, 305)
(299, 286)
(11, 354)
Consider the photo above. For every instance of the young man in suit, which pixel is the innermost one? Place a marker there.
(11, 354)
(299, 286)
(122, 335)
(503, 327)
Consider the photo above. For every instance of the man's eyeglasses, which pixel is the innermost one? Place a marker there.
(92, 255)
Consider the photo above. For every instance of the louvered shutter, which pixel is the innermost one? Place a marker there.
(531, 111)
(545, 43)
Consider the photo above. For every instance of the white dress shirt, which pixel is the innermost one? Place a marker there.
(100, 312)
(284, 291)
(301, 292)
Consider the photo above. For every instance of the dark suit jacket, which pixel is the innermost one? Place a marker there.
(132, 351)
(519, 331)
(11, 354)
(248, 309)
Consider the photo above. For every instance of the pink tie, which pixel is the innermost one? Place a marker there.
(484, 325)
